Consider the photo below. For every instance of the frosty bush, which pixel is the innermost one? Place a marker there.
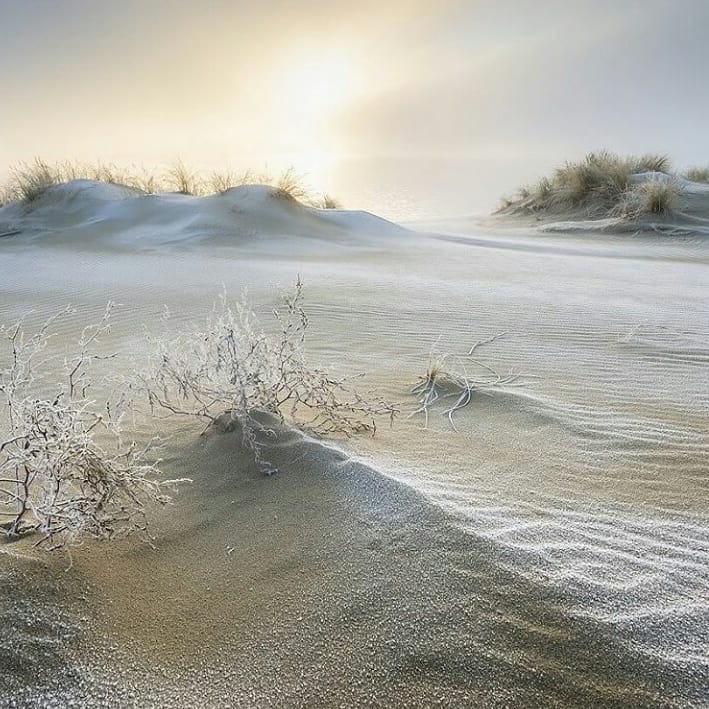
(233, 367)
(66, 471)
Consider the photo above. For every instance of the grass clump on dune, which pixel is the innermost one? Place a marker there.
(600, 185)
(651, 197)
(219, 182)
(184, 181)
(28, 181)
(328, 202)
(697, 174)
(290, 186)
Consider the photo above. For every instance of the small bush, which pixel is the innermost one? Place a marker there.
(233, 367)
(66, 470)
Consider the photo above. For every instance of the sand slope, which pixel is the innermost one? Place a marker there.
(327, 585)
(553, 551)
(86, 212)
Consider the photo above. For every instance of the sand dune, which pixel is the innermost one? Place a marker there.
(329, 584)
(554, 551)
(609, 194)
(88, 211)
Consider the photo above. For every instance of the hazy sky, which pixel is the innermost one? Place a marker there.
(513, 86)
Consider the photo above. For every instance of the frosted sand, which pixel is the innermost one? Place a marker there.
(554, 551)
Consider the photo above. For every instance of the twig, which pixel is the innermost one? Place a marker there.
(443, 381)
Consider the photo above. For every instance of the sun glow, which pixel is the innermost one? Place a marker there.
(314, 90)
(317, 89)
(308, 94)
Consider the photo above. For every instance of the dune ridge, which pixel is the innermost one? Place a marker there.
(89, 211)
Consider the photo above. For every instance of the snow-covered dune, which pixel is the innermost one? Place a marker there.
(87, 210)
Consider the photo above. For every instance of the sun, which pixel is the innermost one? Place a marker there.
(309, 94)
(315, 88)
(319, 88)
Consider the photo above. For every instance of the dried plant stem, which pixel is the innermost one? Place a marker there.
(234, 368)
(447, 378)
(66, 471)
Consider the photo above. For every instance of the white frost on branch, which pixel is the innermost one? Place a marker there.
(458, 377)
(66, 471)
(234, 368)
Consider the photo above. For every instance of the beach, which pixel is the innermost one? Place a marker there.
(548, 546)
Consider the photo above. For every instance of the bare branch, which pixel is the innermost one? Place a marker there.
(65, 470)
(233, 366)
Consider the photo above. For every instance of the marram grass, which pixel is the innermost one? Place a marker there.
(603, 184)
(28, 181)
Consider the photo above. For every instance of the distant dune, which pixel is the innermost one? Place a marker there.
(89, 210)
(609, 193)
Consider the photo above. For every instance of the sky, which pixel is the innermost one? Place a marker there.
(417, 105)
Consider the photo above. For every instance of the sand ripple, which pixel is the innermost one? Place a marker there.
(589, 480)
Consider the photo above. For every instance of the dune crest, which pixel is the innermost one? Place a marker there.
(91, 210)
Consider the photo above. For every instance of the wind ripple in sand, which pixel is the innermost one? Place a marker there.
(646, 575)
(590, 479)
(633, 412)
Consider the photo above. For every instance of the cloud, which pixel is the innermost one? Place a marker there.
(579, 81)
(145, 79)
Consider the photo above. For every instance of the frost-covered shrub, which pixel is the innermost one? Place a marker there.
(66, 469)
(233, 367)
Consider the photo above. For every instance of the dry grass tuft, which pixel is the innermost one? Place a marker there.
(29, 181)
(183, 180)
(222, 181)
(327, 202)
(697, 174)
(650, 162)
(657, 197)
(594, 186)
(290, 187)
(460, 378)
